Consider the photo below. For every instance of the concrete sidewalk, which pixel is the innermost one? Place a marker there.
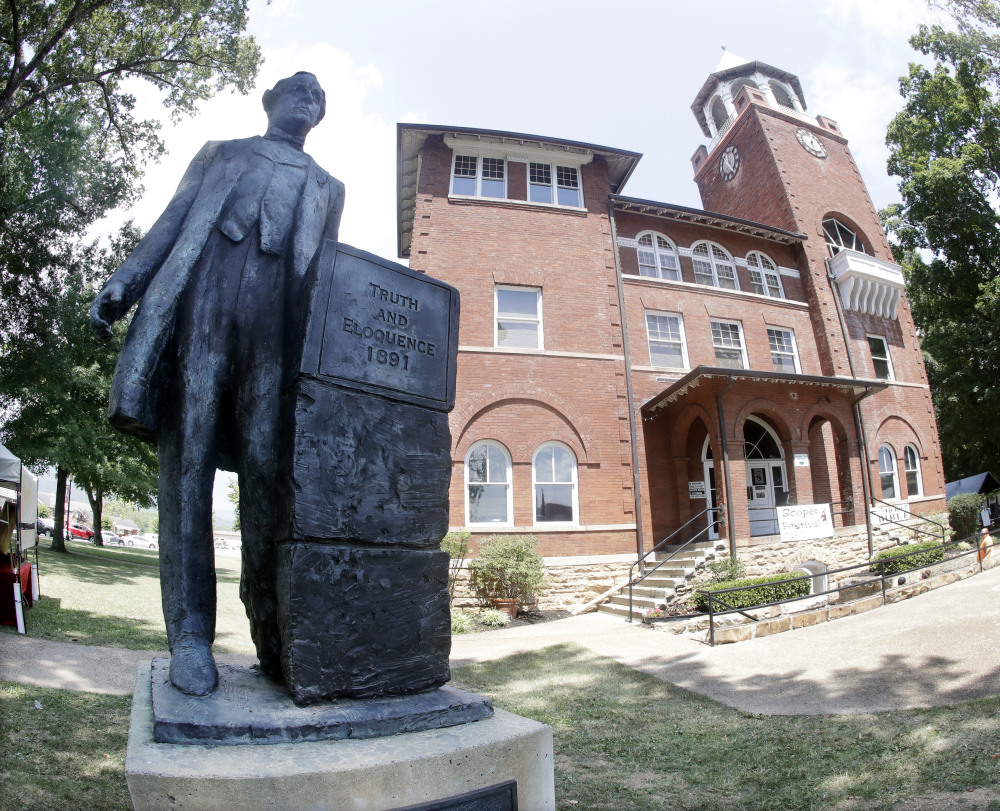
(935, 649)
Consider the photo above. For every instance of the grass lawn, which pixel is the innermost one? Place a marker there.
(111, 597)
(623, 740)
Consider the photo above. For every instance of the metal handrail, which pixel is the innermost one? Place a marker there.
(683, 546)
(880, 578)
(942, 536)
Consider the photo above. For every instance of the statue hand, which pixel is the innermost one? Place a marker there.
(104, 310)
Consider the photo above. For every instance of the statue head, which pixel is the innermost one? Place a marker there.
(296, 104)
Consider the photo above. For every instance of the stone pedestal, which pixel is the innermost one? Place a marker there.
(376, 774)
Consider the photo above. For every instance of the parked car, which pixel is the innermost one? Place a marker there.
(112, 538)
(147, 541)
(46, 526)
(79, 532)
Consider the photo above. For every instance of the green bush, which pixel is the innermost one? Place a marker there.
(494, 618)
(456, 544)
(462, 622)
(772, 588)
(963, 514)
(728, 568)
(926, 553)
(507, 566)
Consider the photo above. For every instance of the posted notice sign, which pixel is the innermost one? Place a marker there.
(805, 522)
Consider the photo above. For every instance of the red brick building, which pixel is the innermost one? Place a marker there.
(628, 368)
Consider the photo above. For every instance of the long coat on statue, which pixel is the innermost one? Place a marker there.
(160, 268)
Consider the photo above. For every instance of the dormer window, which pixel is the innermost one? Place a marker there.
(476, 176)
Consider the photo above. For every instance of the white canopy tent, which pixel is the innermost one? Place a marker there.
(18, 533)
(19, 485)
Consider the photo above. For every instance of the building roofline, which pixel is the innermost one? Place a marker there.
(860, 387)
(410, 139)
(709, 218)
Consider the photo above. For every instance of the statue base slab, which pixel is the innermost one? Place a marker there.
(249, 708)
(437, 766)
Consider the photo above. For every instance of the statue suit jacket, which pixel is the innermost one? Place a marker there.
(160, 267)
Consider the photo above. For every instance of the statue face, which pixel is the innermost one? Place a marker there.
(296, 110)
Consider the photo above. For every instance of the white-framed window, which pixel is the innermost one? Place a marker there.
(478, 176)
(713, 266)
(665, 332)
(911, 467)
(488, 491)
(764, 277)
(551, 183)
(727, 338)
(887, 473)
(839, 236)
(554, 479)
(783, 354)
(658, 257)
(519, 317)
(880, 357)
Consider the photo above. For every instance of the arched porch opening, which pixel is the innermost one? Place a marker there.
(830, 468)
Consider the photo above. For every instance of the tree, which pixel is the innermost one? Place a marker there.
(55, 379)
(234, 498)
(70, 147)
(945, 147)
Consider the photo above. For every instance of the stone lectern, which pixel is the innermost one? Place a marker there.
(365, 466)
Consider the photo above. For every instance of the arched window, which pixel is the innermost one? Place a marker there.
(887, 473)
(739, 84)
(764, 276)
(555, 493)
(488, 484)
(713, 266)
(658, 257)
(720, 115)
(781, 94)
(839, 236)
(911, 466)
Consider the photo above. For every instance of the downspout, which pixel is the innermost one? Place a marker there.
(859, 417)
(730, 517)
(636, 479)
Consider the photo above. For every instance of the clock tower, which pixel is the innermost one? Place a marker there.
(769, 161)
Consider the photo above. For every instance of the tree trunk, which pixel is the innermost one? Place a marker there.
(58, 539)
(96, 499)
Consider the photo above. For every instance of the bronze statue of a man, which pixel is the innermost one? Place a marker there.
(220, 280)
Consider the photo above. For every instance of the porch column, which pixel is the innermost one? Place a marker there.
(851, 467)
(800, 477)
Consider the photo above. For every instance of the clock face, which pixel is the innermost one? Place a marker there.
(810, 143)
(729, 163)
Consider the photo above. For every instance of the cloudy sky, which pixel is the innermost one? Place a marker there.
(621, 74)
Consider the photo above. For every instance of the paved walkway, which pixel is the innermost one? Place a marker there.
(935, 649)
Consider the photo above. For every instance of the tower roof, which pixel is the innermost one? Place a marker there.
(732, 67)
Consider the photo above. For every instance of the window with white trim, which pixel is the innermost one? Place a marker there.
(880, 357)
(488, 497)
(713, 266)
(839, 236)
(665, 332)
(554, 475)
(783, 354)
(519, 317)
(477, 176)
(657, 257)
(887, 473)
(911, 467)
(551, 183)
(764, 277)
(727, 338)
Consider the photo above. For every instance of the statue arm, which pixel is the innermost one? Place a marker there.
(128, 284)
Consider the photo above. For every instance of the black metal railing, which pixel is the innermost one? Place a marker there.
(940, 536)
(632, 581)
(880, 577)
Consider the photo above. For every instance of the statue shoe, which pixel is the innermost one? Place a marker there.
(192, 668)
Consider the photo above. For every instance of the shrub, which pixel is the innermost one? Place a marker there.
(771, 589)
(494, 618)
(507, 566)
(963, 514)
(456, 544)
(728, 568)
(891, 561)
(462, 622)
